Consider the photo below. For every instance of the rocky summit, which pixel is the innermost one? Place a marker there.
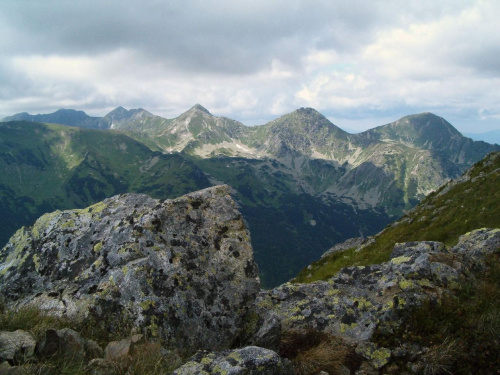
(181, 270)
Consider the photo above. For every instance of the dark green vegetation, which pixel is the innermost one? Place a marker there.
(471, 202)
(48, 167)
(462, 331)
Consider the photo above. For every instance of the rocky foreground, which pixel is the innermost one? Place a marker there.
(182, 272)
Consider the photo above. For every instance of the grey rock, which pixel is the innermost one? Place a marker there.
(350, 243)
(123, 349)
(181, 270)
(411, 248)
(16, 347)
(69, 345)
(376, 356)
(357, 300)
(476, 245)
(250, 360)
(268, 331)
(4, 366)
(263, 328)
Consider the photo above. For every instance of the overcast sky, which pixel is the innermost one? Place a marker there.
(360, 63)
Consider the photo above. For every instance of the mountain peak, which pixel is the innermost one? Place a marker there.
(419, 129)
(307, 111)
(199, 107)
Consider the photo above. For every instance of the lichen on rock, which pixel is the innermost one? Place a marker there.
(180, 269)
(357, 300)
(247, 360)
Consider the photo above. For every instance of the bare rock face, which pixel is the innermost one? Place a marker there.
(181, 270)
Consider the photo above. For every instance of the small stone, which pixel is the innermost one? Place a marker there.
(247, 360)
(100, 366)
(378, 357)
(66, 343)
(16, 347)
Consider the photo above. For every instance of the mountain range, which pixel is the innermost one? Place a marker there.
(302, 183)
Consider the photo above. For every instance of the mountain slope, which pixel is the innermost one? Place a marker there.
(467, 203)
(48, 167)
(289, 228)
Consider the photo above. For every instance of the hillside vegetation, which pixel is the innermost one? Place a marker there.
(470, 202)
(44, 167)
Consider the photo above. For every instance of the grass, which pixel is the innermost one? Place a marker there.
(31, 319)
(146, 358)
(312, 351)
(439, 217)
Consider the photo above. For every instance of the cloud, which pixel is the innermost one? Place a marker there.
(253, 60)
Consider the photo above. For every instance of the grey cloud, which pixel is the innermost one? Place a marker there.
(219, 36)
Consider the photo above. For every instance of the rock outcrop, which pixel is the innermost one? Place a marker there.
(181, 270)
(357, 300)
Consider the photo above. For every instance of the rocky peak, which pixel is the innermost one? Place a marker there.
(199, 108)
(181, 270)
(121, 114)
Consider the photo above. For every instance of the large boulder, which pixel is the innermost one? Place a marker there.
(181, 270)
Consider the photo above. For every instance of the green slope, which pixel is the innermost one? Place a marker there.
(48, 167)
(470, 202)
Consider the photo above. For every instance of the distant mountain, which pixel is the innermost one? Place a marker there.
(69, 117)
(469, 202)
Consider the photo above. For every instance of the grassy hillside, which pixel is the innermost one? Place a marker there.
(48, 167)
(470, 202)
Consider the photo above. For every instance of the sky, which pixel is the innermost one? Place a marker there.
(359, 63)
